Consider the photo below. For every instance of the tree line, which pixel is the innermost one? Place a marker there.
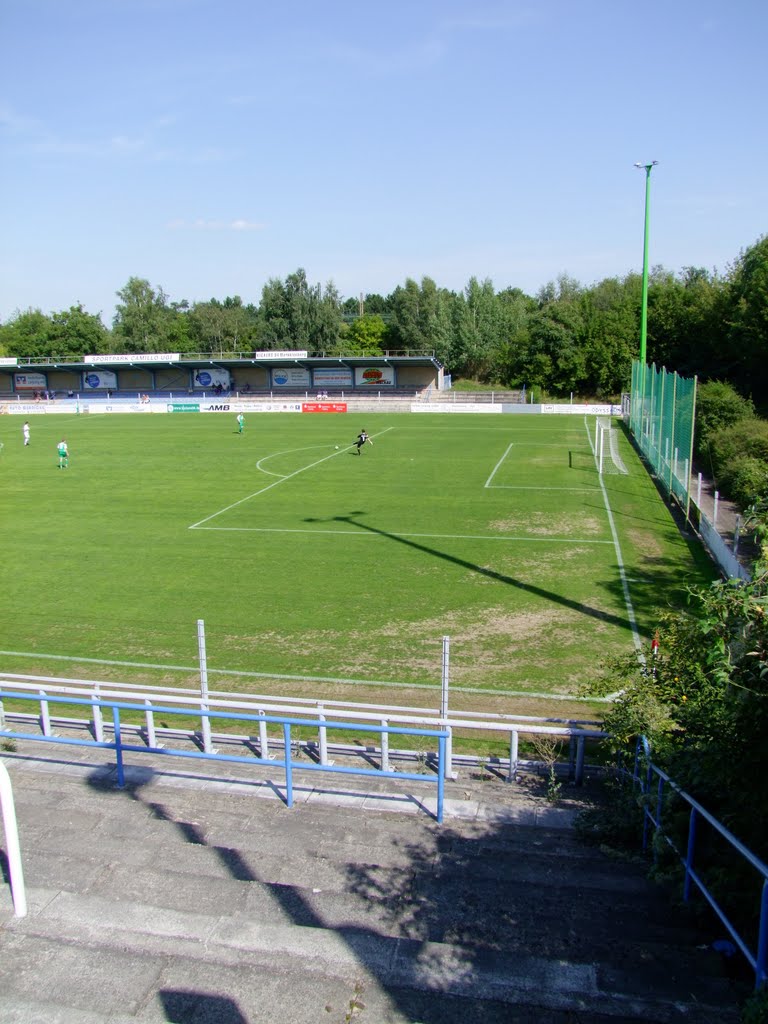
(568, 338)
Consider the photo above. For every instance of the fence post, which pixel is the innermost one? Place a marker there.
(205, 721)
(579, 779)
(13, 850)
(440, 777)
(385, 747)
(761, 963)
(698, 493)
(150, 717)
(98, 719)
(323, 737)
(288, 764)
(514, 740)
(118, 748)
(714, 511)
(736, 535)
(263, 741)
(45, 715)
(445, 677)
(689, 855)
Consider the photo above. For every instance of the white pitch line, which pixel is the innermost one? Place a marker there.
(274, 483)
(288, 451)
(495, 468)
(308, 679)
(535, 538)
(620, 560)
(526, 487)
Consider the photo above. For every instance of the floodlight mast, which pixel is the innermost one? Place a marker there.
(644, 306)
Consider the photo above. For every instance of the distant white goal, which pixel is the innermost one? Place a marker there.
(607, 448)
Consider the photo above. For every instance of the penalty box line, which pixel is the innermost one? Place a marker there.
(423, 536)
(263, 490)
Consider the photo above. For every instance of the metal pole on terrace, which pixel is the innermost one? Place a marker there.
(444, 683)
(206, 722)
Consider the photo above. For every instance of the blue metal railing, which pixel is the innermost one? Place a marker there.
(652, 816)
(287, 762)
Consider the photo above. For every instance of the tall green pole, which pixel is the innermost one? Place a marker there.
(644, 308)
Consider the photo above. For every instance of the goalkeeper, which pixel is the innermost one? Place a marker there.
(362, 437)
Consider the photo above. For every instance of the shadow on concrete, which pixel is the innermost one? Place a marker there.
(182, 1006)
(439, 909)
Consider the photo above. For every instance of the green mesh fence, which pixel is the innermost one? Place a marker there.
(662, 411)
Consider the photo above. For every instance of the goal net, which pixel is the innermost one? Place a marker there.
(607, 454)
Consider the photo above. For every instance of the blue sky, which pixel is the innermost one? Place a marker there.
(209, 145)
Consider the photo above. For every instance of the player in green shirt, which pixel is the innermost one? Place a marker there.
(63, 451)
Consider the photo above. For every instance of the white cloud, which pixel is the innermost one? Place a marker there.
(238, 224)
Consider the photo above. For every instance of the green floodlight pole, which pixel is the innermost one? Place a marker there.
(644, 309)
(644, 301)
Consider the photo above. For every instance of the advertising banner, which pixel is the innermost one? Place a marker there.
(204, 380)
(324, 407)
(29, 381)
(135, 357)
(333, 378)
(375, 376)
(290, 377)
(280, 354)
(103, 379)
(8, 361)
(186, 407)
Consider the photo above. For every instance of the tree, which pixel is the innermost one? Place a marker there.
(366, 336)
(75, 332)
(143, 319)
(296, 314)
(27, 335)
(216, 326)
(748, 315)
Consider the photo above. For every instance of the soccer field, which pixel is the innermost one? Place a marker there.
(309, 561)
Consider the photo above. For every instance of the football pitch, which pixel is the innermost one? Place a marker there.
(322, 572)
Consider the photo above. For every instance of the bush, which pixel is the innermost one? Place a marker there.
(718, 405)
(745, 480)
(740, 453)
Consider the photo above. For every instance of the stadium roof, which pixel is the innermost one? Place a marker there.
(199, 360)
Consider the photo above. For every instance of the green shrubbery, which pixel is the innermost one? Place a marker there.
(731, 442)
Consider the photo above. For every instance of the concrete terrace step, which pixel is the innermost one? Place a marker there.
(138, 931)
(201, 902)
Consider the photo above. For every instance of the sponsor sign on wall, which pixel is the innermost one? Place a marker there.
(8, 361)
(332, 378)
(186, 407)
(280, 354)
(324, 407)
(214, 377)
(374, 376)
(290, 377)
(29, 381)
(103, 379)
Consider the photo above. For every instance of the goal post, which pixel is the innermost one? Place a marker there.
(607, 456)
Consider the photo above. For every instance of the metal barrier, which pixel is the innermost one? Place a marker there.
(758, 960)
(355, 714)
(15, 872)
(287, 762)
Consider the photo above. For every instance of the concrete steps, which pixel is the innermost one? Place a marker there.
(176, 900)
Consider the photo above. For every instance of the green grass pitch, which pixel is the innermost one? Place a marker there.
(304, 560)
